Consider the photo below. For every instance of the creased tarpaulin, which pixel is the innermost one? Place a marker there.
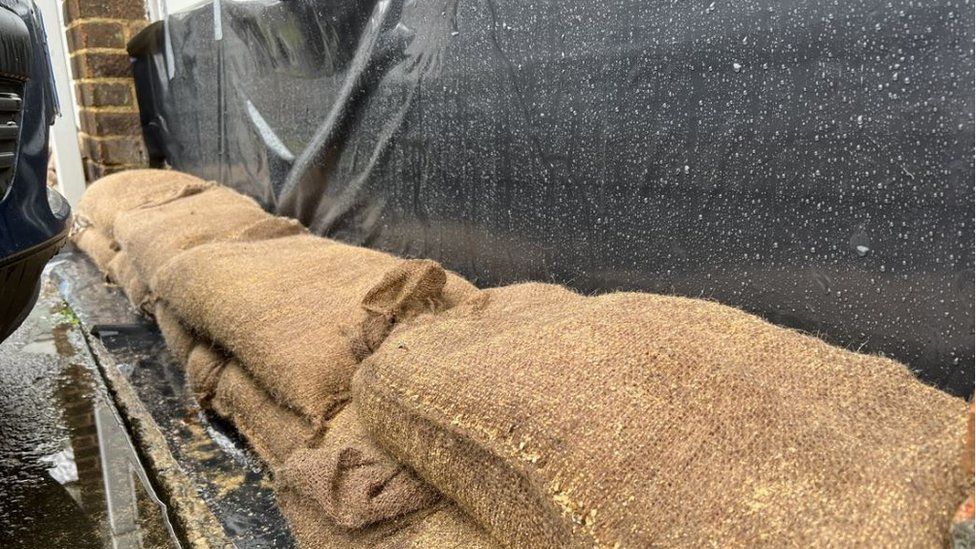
(809, 162)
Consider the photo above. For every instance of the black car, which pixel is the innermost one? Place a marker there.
(34, 219)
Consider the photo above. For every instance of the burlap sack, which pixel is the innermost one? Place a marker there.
(289, 310)
(272, 430)
(387, 520)
(179, 340)
(203, 368)
(352, 482)
(120, 192)
(98, 247)
(374, 501)
(442, 526)
(153, 236)
(121, 271)
(637, 420)
(270, 227)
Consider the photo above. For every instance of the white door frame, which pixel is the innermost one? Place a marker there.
(64, 132)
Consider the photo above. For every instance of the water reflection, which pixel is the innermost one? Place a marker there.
(69, 476)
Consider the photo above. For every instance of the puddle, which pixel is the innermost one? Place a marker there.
(69, 476)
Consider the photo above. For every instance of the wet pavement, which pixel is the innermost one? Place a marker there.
(69, 475)
(223, 471)
(101, 445)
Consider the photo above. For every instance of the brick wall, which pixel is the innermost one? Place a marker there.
(97, 31)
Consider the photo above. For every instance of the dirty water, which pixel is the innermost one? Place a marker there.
(69, 476)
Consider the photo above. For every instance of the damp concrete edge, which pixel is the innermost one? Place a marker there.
(193, 519)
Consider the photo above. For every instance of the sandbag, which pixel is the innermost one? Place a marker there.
(204, 366)
(179, 340)
(219, 384)
(290, 310)
(270, 227)
(107, 198)
(378, 503)
(114, 194)
(153, 236)
(440, 527)
(272, 430)
(636, 420)
(98, 247)
(352, 482)
(121, 271)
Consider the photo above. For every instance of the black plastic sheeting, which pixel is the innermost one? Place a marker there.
(810, 162)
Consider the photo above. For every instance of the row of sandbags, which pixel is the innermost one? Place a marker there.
(271, 323)
(529, 413)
